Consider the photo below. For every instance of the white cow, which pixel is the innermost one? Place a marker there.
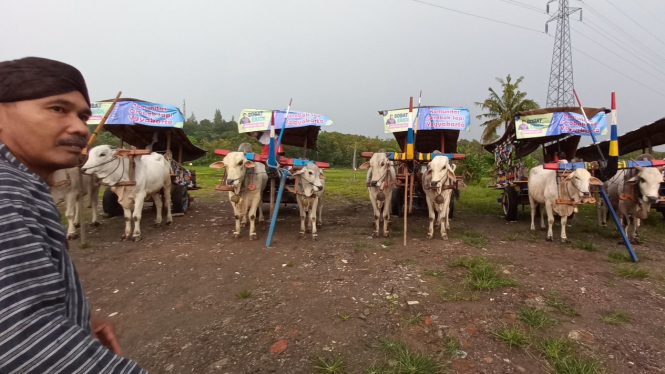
(640, 191)
(437, 182)
(380, 182)
(248, 180)
(309, 193)
(66, 189)
(152, 174)
(544, 191)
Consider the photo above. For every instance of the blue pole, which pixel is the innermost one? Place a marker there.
(626, 242)
(282, 181)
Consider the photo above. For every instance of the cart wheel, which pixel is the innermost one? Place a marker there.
(509, 202)
(180, 199)
(110, 204)
(397, 202)
(452, 207)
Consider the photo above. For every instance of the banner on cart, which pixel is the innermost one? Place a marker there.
(539, 125)
(429, 118)
(137, 113)
(259, 120)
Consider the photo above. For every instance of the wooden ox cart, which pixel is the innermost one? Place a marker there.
(150, 127)
(431, 132)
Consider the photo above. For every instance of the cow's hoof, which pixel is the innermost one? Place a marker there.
(168, 223)
(565, 241)
(387, 234)
(158, 224)
(236, 235)
(72, 236)
(77, 225)
(429, 236)
(137, 238)
(242, 225)
(302, 233)
(550, 239)
(96, 224)
(636, 241)
(319, 223)
(253, 237)
(123, 238)
(315, 237)
(444, 237)
(375, 234)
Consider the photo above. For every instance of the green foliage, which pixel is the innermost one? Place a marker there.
(414, 320)
(586, 245)
(482, 274)
(561, 354)
(501, 109)
(619, 256)
(576, 365)
(557, 348)
(244, 294)
(451, 344)
(392, 346)
(615, 317)
(629, 271)
(433, 273)
(414, 363)
(329, 366)
(513, 335)
(554, 300)
(535, 318)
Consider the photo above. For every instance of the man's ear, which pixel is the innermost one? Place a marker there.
(217, 164)
(365, 165)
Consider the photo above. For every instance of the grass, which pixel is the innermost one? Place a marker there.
(361, 245)
(414, 363)
(451, 344)
(533, 237)
(290, 265)
(629, 271)
(610, 284)
(433, 273)
(510, 238)
(458, 296)
(576, 365)
(244, 294)
(410, 261)
(535, 318)
(470, 237)
(555, 301)
(482, 275)
(414, 320)
(329, 366)
(343, 316)
(615, 317)
(513, 335)
(392, 346)
(388, 243)
(586, 245)
(619, 256)
(376, 369)
(557, 348)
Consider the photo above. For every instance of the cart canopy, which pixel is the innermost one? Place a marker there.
(302, 128)
(643, 138)
(137, 121)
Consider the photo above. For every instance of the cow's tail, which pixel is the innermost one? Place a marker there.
(456, 193)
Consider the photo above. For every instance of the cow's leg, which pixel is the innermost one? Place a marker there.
(542, 216)
(386, 214)
(441, 219)
(157, 198)
(432, 216)
(167, 201)
(70, 213)
(128, 223)
(632, 221)
(236, 216)
(447, 208)
(303, 214)
(77, 213)
(253, 205)
(600, 213)
(319, 210)
(564, 220)
(93, 198)
(550, 221)
(533, 205)
(138, 213)
(260, 208)
(312, 216)
(377, 213)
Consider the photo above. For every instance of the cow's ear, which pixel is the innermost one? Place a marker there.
(299, 172)
(217, 164)
(451, 174)
(365, 165)
(321, 176)
(453, 167)
(249, 164)
(632, 180)
(595, 181)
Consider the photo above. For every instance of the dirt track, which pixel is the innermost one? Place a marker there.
(177, 310)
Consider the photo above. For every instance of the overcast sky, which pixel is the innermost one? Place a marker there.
(345, 59)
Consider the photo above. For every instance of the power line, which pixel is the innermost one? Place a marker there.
(637, 23)
(619, 45)
(522, 5)
(481, 17)
(602, 46)
(614, 25)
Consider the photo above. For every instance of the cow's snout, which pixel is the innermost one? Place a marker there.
(230, 182)
(434, 184)
(319, 188)
(585, 194)
(652, 199)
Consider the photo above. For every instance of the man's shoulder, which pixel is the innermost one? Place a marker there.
(14, 180)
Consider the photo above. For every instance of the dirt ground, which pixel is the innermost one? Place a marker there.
(173, 296)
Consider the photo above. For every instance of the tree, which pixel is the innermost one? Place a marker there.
(502, 109)
(191, 120)
(217, 120)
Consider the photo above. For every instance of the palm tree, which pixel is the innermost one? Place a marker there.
(501, 109)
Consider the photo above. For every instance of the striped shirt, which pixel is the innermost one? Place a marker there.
(44, 313)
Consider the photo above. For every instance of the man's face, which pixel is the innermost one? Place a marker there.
(46, 134)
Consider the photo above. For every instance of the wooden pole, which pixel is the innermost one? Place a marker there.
(650, 148)
(180, 154)
(406, 201)
(413, 176)
(131, 168)
(443, 143)
(272, 195)
(122, 136)
(304, 148)
(80, 205)
(168, 141)
(102, 122)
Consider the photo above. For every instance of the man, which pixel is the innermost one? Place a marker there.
(245, 119)
(45, 324)
(391, 120)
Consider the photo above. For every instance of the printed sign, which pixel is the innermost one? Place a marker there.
(137, 113)
(539, 125)
(429, 118)
(259, 120)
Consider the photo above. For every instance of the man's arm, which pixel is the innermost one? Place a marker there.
(35, 334)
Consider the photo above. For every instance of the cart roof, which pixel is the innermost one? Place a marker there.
(136, 121)
(431, 118)
(631, 141)
(300, 126)
(567, 142)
